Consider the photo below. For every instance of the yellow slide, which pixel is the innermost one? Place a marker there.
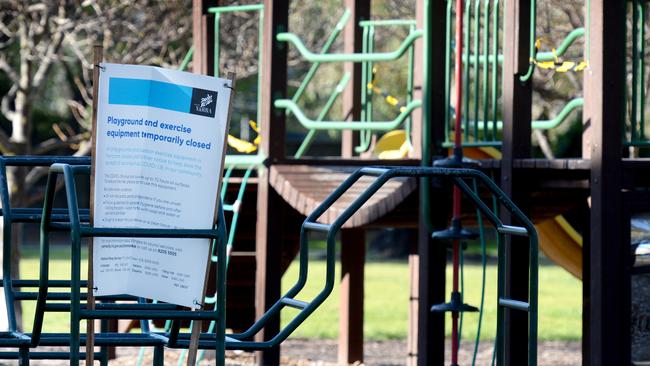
(557, 238)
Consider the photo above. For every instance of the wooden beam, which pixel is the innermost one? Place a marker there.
(203, 37)
(517, 105)
(270, 225)
(604, 113)
(426, 338)
(351, 98)
(274, 78)
(353, 252)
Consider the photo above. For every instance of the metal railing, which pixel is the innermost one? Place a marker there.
(367, 126)
(635, 126)
(482, 74)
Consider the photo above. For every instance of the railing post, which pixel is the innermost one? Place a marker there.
(269, 223)
(426, 338)
(203, 37)
(517, 104)
(353, 252)
(609, 278)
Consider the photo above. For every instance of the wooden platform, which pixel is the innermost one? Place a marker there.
(304, 187)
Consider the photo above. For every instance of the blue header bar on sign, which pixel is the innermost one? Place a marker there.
(151, 93)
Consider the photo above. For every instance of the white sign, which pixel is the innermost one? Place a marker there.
(159, 150)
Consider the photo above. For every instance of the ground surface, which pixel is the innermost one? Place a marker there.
(300, 352)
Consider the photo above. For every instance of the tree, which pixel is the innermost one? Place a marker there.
(41, 39)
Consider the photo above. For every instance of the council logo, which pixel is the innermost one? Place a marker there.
(204, 102)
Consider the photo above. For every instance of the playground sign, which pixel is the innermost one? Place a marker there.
(158, 161)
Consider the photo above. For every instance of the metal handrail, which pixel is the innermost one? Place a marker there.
(347, 125)
(571, 38)
(543, 124)
(349, 57)
(382, 175)
(78, 231)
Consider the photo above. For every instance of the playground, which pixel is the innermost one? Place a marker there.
(423, 182)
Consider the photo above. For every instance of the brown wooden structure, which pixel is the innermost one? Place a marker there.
(287, 188)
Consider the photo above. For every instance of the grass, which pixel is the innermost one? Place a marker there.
(386, 299)
(387, 294)
(59, 269)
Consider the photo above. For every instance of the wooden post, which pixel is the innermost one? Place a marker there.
(269, 227)
(98, 57)
(426, 338)
(604, 112)
(203, 37)
(517, 105)
(353, 252)
(351, 98)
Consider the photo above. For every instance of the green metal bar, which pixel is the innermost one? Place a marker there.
(187, 59)
(466, 72)
(352, 126)
(564, 113)
(641, 5)
(461, 260)
(638, 143)
(495, 69)
(235, 8)
(382, 176)
(217, 43)
(226, 180)
(260, 72)
(474, 144)
(387, 22)
(486, 76)
(477, 44)
(564, 46)
(217, 11)
(567, 42)
(635, 68)
(533, 23)
(587, 30)
(236, 212)
(482, 240)
(352, 57)
(365, 137)
(220, 305)
(545, 124)
(6, 249)
(306, 143)
(447, 90)
(409, 88)
(364, 76)
(244, 161)
(326, 47)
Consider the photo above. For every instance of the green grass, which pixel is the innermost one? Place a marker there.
(386, 299)
(59, 269)
(387, 294)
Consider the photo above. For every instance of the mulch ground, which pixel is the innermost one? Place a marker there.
(301, 352)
